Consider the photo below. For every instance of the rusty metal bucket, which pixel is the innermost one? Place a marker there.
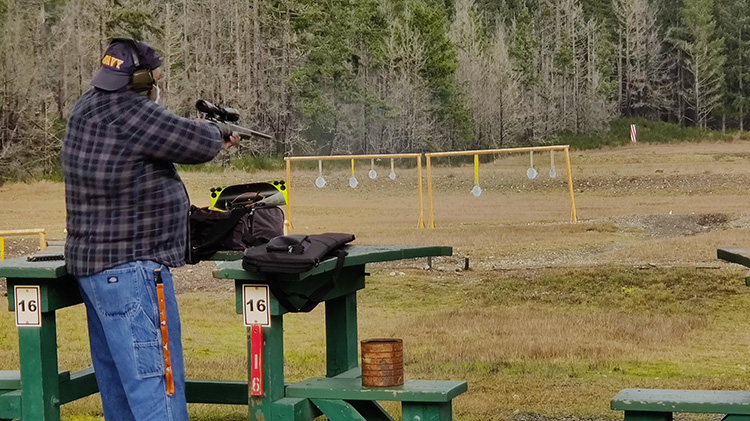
(382, 362)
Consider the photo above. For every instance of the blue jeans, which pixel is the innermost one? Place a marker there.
(123, 319)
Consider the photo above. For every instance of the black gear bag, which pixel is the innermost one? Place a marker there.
(214, 230)
(297, 254)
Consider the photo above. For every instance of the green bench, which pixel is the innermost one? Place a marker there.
(661, 404)
(421, 400)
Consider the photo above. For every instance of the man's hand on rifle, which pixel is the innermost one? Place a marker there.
(233, 140)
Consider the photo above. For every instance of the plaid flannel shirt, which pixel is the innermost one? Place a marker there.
(124, 199)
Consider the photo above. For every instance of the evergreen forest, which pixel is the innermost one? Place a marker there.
(385, 76)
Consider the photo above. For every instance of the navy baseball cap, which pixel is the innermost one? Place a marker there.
(120, 62)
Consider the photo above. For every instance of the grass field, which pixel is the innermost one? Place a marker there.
(551, 320)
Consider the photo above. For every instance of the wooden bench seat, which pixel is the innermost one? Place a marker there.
(659, 404)
(421, 400)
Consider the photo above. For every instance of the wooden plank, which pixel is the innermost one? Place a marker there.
(734, 255)
(695, 401)
(352, 389)
(358, 255)
(336, 410)
(216, 391)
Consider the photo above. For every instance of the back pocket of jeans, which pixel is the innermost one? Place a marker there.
(149, 357)
(116, 290)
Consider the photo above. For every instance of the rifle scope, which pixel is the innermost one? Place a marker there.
(220, 113)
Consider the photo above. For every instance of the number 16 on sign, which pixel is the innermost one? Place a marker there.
(27, 306)
(256, 305)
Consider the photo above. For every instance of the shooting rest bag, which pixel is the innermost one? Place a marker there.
(213, 230)
(297, 254)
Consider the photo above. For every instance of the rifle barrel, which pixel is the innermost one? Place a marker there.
(247, 133)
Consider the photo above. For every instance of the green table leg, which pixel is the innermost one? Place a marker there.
(372, 411)
(427, 411)
(40, 395)
(341, 334)
(336, 410)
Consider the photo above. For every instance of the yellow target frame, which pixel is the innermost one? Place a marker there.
(476, 153)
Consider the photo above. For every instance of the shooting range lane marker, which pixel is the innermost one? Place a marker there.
(476, 190)
(256, 360)
(372, 174)
(392, 175)
(27, 305)
(320, 182)
(552, 172)
(353, 180)
(256, 308)
(531, 172)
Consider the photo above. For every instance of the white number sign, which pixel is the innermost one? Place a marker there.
(256, 305)
(28, 312)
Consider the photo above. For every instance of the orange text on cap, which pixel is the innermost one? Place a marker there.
(112, 61)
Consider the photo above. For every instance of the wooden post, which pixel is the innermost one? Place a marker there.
(429, 190)
(289, 192)
(573, 217)
(420, 224)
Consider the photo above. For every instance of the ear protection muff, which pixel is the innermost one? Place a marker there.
(142, 79)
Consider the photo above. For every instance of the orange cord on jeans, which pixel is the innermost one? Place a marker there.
(164, 332)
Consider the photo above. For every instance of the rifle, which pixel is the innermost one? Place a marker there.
(226, 116)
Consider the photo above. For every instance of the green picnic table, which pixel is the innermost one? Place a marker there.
(37, 391)
(660, 404)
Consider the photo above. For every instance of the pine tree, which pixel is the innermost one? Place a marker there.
(639, 58)
(704, 60)
(734, 27)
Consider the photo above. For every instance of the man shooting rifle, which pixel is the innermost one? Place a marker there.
(127, 213)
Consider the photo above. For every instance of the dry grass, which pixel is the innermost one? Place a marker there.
(552, 319)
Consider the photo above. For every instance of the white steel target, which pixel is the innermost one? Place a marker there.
(353, 179)
(552, 172)
(320, 182)
(531, 172)
(476, 190)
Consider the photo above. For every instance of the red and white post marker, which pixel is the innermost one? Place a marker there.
(632, 133)
(256, 360)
